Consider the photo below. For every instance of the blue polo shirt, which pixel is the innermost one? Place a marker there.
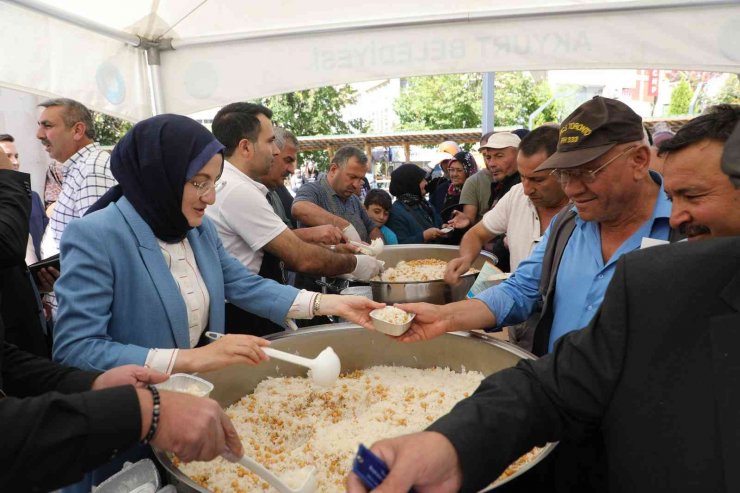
(582, 275)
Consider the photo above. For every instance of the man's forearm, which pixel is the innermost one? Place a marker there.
(321, 261)
(468, 315)
(472, 243)
(313, 215)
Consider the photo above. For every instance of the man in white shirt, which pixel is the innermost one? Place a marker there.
(523, 214)
(249, 228)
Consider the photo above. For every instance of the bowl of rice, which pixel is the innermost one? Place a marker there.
(385, 389)
(391, 320)
(187, 384)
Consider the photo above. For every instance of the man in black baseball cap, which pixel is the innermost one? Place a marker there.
(618, 205)
(592, 130)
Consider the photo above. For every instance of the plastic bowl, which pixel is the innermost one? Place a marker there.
(389, 328)
(187, 384)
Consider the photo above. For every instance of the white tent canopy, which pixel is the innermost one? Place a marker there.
(217, 51)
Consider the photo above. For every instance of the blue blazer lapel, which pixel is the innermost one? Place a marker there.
(162, 280)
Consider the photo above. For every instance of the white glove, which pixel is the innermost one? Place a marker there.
(351, 233)
(366, 267)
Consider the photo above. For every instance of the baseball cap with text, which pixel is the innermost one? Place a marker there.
(592, 130)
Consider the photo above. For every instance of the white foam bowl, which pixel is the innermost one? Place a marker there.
(389, 328)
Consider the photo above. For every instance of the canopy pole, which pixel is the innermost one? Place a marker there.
(488, 98)
(155, 83)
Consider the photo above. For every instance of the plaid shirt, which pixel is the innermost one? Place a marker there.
(87, 177)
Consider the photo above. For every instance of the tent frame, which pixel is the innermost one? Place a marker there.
(152, 48)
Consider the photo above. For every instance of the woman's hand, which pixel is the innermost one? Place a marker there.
(231, 349)
(354, 308)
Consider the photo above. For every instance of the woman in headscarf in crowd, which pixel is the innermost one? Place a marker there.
(460, 168)
(145, 274)
(412, 218)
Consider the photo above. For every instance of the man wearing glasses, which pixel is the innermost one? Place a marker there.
(617, 206)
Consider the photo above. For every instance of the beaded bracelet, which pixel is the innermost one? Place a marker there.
(155, 415)
(316, 304)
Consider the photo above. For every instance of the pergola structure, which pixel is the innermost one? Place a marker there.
(331, 143)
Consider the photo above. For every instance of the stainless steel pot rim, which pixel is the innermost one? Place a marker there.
(181, 480)
(481, 336)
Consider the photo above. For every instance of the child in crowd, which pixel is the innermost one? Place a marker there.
(378, 204)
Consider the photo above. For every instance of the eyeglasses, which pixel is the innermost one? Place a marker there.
(204, 187)
(586, 176)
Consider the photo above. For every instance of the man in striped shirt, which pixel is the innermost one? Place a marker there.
(65, 128)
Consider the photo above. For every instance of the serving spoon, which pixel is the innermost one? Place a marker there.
(325, 367)
(308, 486)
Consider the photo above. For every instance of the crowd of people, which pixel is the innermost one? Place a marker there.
(180, 230)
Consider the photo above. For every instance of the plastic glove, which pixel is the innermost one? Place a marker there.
(351, 233)
(366, 267)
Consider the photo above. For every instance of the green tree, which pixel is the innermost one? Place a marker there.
(454, 101)
(440, 102)
(730, 92)
(315, 112)
(681, 98)
(517, 96)
(109, 129)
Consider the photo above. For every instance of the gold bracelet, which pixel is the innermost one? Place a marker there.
(316, 304)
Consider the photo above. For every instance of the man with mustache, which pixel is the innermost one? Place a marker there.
(618, 204)
(654, 375)
(333, 200)
(248, 226)
(602, 164)
(66, 130)
(523, 214)
(705, 203)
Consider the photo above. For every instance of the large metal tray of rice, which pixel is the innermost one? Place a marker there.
(387, 389)
(416, 261)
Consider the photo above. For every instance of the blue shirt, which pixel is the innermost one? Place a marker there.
(350, 209)
(582, 274)
(389, 237)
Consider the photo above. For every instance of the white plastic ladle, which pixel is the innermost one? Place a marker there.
(325, 367)
(308, 486)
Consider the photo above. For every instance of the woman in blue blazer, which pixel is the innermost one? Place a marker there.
(145, 274)
(412, 218)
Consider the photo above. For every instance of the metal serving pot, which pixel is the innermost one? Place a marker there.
(358, 348)
(438, 292)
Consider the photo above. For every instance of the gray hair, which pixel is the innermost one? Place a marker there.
(344, 154)
(283, 135)
(74, 112)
